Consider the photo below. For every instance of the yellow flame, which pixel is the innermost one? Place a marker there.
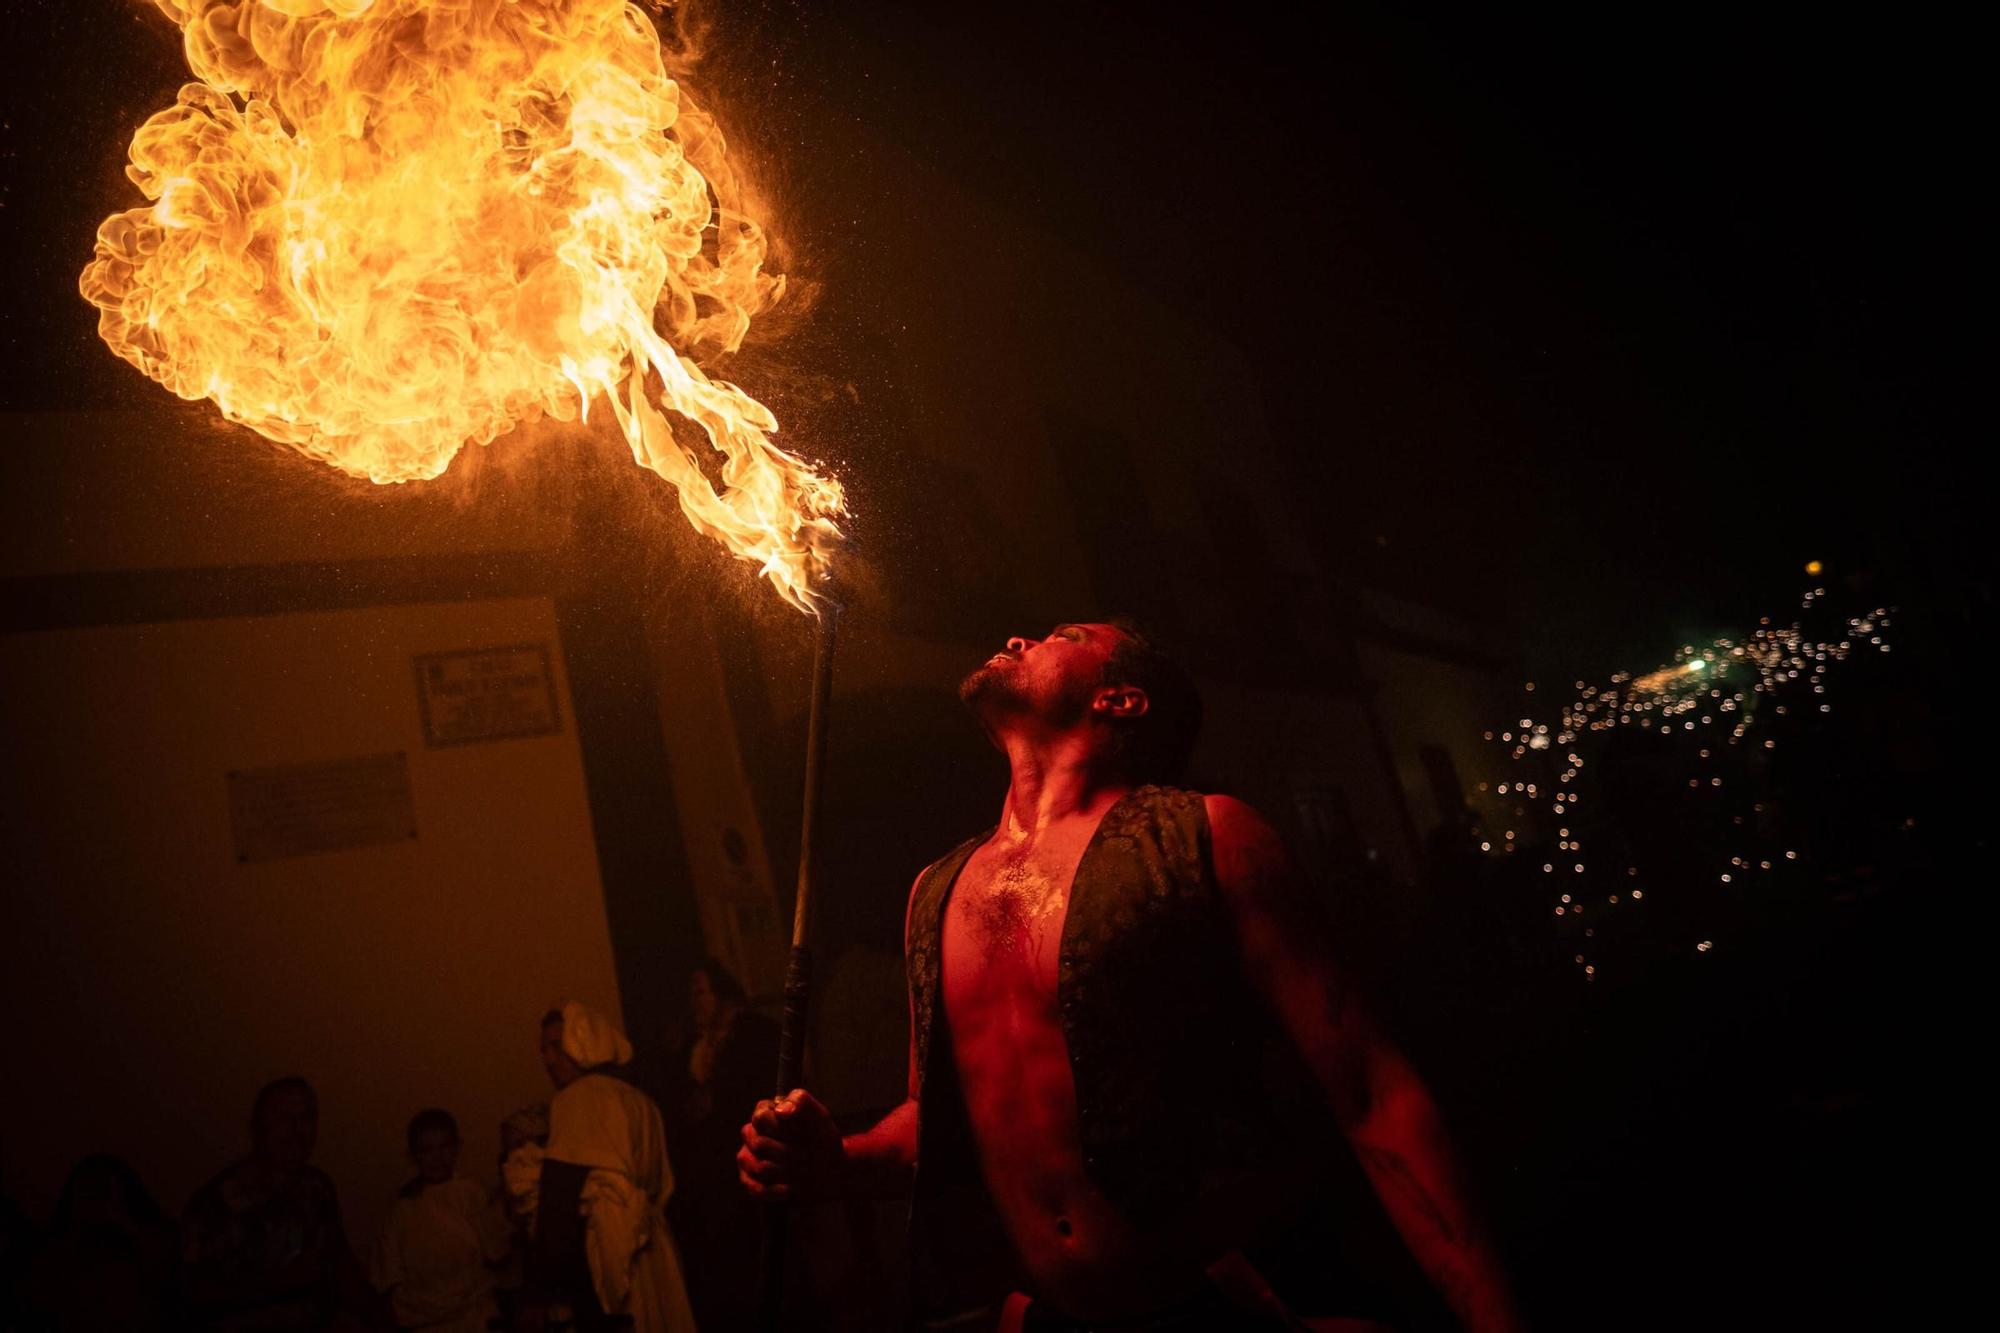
(382, 229)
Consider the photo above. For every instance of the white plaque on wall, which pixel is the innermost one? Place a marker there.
(487, 694)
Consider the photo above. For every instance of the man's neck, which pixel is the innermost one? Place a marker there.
(1055, 778)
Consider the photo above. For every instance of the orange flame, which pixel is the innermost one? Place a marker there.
(382, 229)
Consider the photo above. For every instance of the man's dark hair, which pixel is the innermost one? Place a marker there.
(432, 1118)
(1154, 746)
(269, 1093)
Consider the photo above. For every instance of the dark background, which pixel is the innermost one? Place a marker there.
(1591, 326)
(1558, 313)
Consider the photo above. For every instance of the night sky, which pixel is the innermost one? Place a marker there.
(1593, 326)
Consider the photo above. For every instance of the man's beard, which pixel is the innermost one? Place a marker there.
(996, 689)
(984, 684)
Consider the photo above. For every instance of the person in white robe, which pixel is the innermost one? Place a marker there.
(444, 1236)
(600, 1122)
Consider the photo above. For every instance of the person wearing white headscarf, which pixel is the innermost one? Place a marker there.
(600, 1122)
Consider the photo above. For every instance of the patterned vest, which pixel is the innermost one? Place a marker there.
(1166, 1040)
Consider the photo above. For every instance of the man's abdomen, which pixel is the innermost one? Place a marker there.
(1020, 1102)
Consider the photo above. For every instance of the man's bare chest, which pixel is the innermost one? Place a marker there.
(1004, 923)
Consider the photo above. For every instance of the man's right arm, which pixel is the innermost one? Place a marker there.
(880, 1161)
(792, 1151)
(791, 1142)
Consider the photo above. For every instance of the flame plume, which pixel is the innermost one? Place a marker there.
(382, 229)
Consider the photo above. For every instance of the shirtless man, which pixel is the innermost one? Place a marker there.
(1077, 1042)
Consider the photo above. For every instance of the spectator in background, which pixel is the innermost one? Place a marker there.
(523, 1137)
(262, 1245)
(107, 1264)
(732, 1055)
(730, 1059)
(601, 1245)
(444, 1237)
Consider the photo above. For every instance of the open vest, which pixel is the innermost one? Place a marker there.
(1166, 1040)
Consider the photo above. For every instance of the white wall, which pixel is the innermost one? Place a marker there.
(153, 983)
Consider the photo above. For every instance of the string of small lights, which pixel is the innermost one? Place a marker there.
(1707, 707)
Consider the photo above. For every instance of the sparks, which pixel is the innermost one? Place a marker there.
(1711, 693)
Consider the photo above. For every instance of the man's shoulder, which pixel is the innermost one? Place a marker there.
(1232, 812)
(1167, 797)
(1157, 811)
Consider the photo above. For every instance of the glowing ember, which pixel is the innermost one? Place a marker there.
(383, 229)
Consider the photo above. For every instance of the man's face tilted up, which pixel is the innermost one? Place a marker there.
(1057, 681)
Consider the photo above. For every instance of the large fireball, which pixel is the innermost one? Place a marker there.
(384, 229)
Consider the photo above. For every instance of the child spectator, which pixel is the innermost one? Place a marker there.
(444, 1238)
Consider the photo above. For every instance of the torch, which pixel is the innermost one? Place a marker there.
(798, 966)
